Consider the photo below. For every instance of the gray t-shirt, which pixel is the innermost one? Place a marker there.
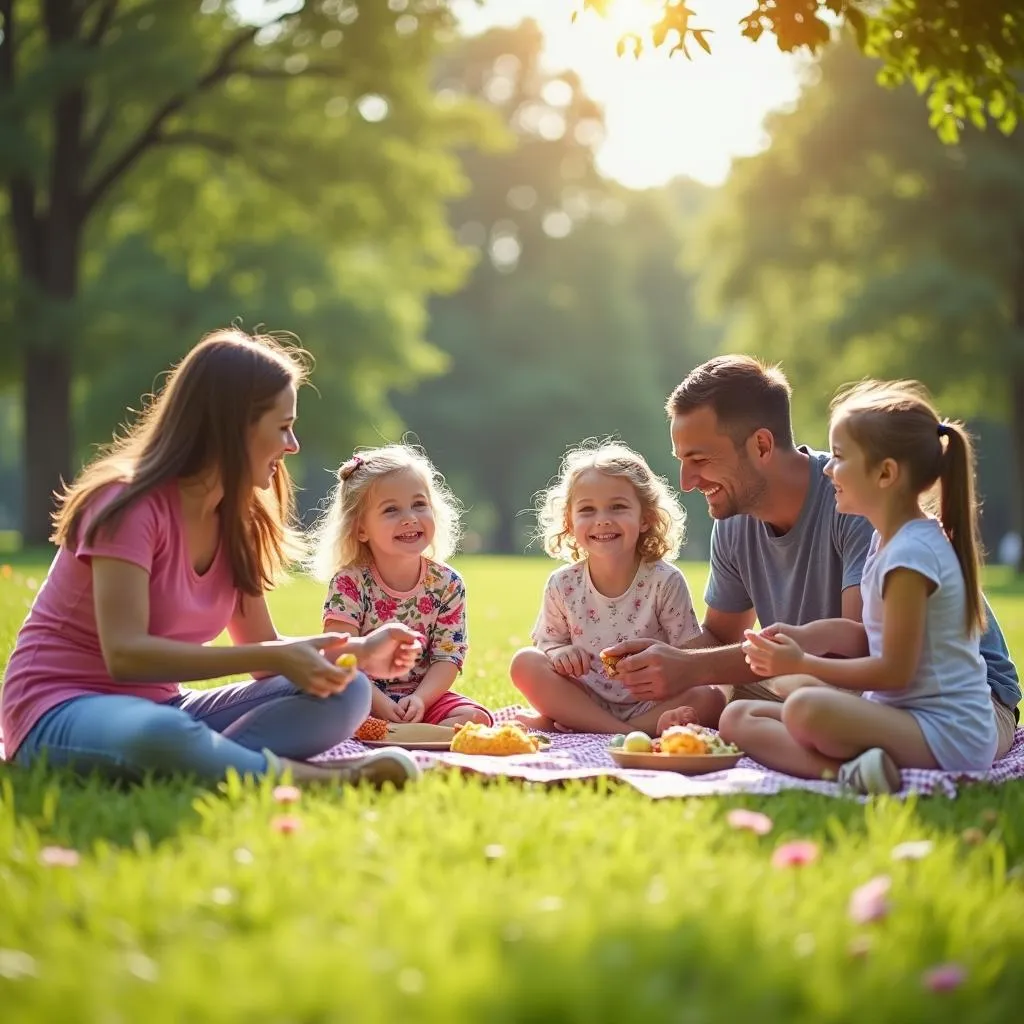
(948, 696)
(799, 576)
(795, 577)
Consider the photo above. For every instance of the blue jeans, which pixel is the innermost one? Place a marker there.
(201, 733)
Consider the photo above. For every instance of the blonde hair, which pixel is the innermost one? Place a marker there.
(336, 542)
(666, 518)
(896, 420)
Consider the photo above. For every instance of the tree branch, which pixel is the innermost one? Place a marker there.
(103, 20)
(150, 135)
(312, 71)
(95, 140)
(218, 144)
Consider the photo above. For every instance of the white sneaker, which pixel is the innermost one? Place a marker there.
(871, 773)
(388, 764)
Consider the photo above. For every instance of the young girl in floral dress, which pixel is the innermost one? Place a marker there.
(391, 523)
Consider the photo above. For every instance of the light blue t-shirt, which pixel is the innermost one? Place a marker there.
(949, 695)
(799, 576)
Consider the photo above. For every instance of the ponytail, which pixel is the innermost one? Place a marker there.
(959, 517)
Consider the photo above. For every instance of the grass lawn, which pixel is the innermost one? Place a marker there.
(464, 901)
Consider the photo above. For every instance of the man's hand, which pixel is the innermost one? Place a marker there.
(651, 670)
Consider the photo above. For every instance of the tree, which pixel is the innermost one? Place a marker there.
(121, 117)
(858, 245)
(964, 53)
(564, 329)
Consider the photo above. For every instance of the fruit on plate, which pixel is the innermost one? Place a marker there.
(638, 743)
(503, 740)
(617, 740)
(681, 739)
(372, 729)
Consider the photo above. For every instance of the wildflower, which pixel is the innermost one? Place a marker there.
(58, 857)
(915, 850)
(944, 978)
(286, 824)
(795, 854)
(870, 902)
(758, 823)
(287, 794)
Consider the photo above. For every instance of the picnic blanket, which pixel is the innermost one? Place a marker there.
(585, 756)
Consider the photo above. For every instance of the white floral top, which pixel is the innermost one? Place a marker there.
(435, 607)
(657, 606)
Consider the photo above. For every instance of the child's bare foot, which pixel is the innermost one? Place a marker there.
(677, 716)
(535, 720)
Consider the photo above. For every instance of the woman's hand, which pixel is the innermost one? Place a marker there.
(309, 663)
(389, 651)
(778, 656)
(570, 660)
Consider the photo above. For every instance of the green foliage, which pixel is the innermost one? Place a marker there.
(965, 55)
(293, 172)
(463, 901)
(576, 321)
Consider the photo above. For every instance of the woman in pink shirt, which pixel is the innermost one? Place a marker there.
(172, 535)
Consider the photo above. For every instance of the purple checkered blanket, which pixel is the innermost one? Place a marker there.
(585, 756)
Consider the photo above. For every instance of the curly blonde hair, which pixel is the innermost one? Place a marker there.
(659, 507)
(336, 542)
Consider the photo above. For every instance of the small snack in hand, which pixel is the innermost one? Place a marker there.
(609, 661)
(372, 729)
(506, 739)
(349, 662)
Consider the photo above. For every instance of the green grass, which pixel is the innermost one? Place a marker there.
(459, 900)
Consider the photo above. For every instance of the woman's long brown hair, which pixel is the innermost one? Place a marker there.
(199, 422)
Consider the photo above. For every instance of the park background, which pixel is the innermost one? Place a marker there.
(497, 236)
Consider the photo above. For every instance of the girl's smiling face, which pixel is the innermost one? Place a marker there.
(606, 515)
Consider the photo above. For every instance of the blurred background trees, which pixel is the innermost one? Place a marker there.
(425, 208)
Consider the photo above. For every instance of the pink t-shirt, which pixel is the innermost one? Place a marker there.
(57, 655)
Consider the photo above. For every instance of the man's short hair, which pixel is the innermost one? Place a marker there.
(745, 394)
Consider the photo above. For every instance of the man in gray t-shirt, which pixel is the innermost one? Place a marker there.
(780, 552)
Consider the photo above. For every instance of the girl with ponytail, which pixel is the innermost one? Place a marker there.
(928, 705)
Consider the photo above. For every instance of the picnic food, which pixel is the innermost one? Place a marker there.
(638, 742)
(609, 661)
(372, 729)
(505, 739)
(679, 739)
(347, 661)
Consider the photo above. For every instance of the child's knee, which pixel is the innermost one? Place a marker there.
(466, 715)
(526, 664)
(734, 718)
(803, 708)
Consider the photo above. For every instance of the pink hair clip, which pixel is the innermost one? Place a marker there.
(350, 467)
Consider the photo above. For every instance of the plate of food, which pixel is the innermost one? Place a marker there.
(505, 740)
(688, 749)
(375, 732)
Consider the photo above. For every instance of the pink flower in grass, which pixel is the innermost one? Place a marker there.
(58, 857)
(756, 822)
(944, 978)
(870, 901)
(287, 794)
(795, 854)
(286, 824)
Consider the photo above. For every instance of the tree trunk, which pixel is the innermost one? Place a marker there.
(505, 540)
(47, 440)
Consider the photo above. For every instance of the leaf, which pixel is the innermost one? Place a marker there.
(700, 35)
(856, 20)
(949, 130)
